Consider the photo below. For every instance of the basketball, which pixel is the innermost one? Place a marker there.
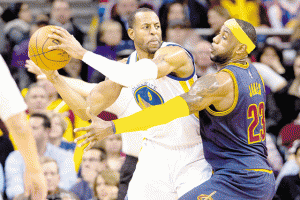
(39, 53)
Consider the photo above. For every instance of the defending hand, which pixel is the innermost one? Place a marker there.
(98, 130)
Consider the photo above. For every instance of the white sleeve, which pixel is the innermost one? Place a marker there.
(272, 79)
(11, 100)
(124, 74)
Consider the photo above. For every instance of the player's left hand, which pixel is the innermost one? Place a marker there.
(67, 43)
(98, 130)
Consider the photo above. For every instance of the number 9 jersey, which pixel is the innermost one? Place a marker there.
(236, 138)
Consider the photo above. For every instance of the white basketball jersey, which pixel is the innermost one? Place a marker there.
(180, 132)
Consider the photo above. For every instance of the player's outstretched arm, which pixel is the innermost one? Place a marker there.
(216, 89)
(34, 180)
(166, 60)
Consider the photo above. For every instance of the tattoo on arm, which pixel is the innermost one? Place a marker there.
(206, 85)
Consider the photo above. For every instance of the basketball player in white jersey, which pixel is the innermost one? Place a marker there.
(171, 161)
(12, 112)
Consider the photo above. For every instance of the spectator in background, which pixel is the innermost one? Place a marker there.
(37, 99)
(171, 12)
(113, 146)
(58, 127)
(204, 64)
(288, 98)
(20, 55)
(17, 30)
(93, 162)
(177, 32)
(217, 15)
(123, 10)
(289, 187)
(15, 166)
(6, 147)
(284, 13)
(61, 15)
(106, 185)
(51, 172)
(109, 45)
(75, 69)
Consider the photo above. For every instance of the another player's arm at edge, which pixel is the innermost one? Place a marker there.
(214, 89)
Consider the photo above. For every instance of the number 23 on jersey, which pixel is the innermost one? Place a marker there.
(257, 114)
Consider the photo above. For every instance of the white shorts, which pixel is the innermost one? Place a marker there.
(166, 174)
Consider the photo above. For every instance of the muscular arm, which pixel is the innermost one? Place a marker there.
(171, 59)
(216, 89)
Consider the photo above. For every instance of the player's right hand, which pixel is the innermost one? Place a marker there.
(35, 185)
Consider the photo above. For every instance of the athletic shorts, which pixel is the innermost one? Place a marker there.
(165, 173)
(235, 185)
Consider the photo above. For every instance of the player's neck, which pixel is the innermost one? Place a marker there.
(238, 60)
(142, 54)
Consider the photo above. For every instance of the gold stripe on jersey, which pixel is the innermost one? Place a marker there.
(261, 170)
(240, 65)
(236, 96)
(262, 80)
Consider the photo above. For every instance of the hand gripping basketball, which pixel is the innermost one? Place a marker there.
(67, 42)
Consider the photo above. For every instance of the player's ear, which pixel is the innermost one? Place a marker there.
(130, 33)
(242, 48)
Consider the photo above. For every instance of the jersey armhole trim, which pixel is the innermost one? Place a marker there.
(236, 97)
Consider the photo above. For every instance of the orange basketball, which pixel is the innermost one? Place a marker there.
(40, 54)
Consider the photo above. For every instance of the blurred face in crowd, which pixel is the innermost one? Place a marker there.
(126, 7)
(48, 86)
(56, 128)
(297, 67)
(91, 164)
(215, 20)
(52, 176)
(40, 133)
(146, 32)
(25, 13)
(177, 35)
(268, 56)
(113, 144)
(111, 34)
(176, 12)
(37, 99)
(73, 68)
(61, 11)
(202, 54)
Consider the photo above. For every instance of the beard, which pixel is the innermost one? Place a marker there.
(220, 59)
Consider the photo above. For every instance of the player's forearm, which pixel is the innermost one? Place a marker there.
(79, 86)
(123, 74)
(21, 132)
(103, 96)
(153, 116)
(73, 99)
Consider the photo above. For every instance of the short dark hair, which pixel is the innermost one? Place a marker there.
(102, 154)
(46, 123)
(131, 19)
(248, 29)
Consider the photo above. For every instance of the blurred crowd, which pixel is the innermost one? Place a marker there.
(72, 173)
